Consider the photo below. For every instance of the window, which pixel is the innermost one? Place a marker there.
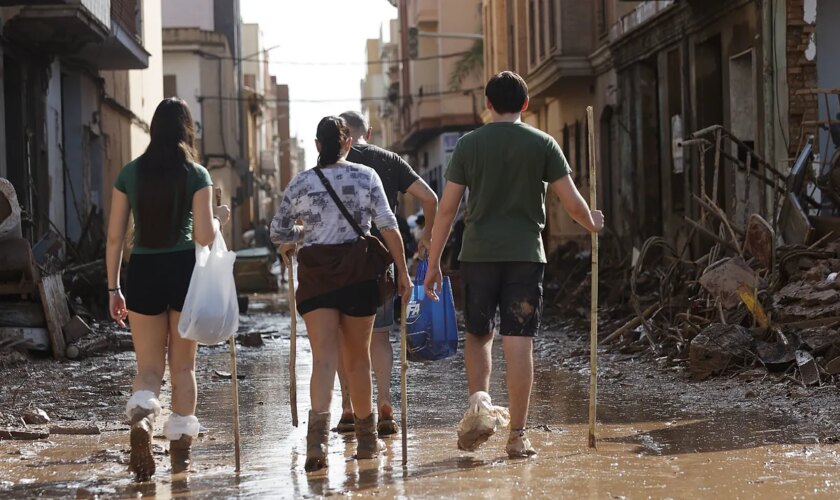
(170, 86)
(532, 31)
(511, 25)
(553, 25)
(542, 26)
(602, 18)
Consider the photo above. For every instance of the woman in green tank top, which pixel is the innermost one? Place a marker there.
(170, 197)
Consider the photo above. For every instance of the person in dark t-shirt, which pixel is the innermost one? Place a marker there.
(397, 177)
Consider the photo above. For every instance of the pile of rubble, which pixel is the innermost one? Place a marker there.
(746, 301)
(35, 313)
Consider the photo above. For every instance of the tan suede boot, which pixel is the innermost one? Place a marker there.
(368, 444)
(180, 451)
(142, 461)
(317, 435)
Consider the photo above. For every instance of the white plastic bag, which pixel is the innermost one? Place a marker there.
(481, 420)
(211, 310)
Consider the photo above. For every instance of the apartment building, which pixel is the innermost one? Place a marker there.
(199, 66)
(436, 106)
(80, 81)
(655, 72)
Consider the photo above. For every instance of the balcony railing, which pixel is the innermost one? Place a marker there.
(639, 16)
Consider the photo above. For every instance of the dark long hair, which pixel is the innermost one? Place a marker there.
(333, 134)
(162, 175)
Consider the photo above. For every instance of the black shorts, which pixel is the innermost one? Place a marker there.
(358, 300)
(515, 288)
(156, 283)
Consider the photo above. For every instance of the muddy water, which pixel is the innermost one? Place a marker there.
(650, 445)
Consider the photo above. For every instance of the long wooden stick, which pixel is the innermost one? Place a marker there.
(233, 376)
(404, 382)
(593, 346)
(235, 385)
(292, 340)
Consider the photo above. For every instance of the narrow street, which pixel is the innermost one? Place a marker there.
(658, 436)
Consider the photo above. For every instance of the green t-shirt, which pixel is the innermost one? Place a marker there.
(507, 168)
(197, 178)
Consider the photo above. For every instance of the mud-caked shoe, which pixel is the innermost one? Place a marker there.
(346, 425)
(518, 445)
(141, 409)
(368, 444)
(317, 436)
(386, 426)
(180, 430)
(480, 421)
(180, 454)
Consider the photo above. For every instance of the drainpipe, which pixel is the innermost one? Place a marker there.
(770, 119)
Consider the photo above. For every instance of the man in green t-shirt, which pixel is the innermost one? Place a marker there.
(507, 166)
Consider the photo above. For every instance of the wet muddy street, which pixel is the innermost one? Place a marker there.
(659, 436)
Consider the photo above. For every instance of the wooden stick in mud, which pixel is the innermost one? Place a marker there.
(233, 375)
(593, 201)
(292, 339)
(403, 381)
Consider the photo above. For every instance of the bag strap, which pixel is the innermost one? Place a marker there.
(341, 207)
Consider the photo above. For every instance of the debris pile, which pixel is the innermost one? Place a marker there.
(761, 293)
(35, 313)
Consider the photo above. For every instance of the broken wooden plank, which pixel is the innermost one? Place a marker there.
(21, 435)
(812, 323)
(633, 323)
(76, 430)
(54, 302)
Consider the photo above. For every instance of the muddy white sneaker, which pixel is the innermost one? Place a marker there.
(518, 445)
(481, 421)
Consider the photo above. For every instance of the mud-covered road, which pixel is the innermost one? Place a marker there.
(659, 435)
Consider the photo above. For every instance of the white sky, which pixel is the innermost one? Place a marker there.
(333, 31)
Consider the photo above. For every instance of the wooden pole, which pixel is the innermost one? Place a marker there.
(404, 382)
(233, 376)
(593, 346)
(292, 339)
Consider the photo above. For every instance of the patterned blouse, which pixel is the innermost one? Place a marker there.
(358, 186)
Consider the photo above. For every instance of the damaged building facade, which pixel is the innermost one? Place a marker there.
(657, 73)
(79, 84)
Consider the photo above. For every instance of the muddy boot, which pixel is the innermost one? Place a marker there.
(368, 444)
(317, 435)
(346, 424)
(180, 430)
(180, 451)
(141, 410)
(518, 445)
(387, 426)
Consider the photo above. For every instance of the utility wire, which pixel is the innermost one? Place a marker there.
(345, 63)
(363, 99)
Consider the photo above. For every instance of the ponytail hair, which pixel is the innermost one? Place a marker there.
(333, 135)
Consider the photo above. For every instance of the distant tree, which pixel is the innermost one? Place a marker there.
(471, 64)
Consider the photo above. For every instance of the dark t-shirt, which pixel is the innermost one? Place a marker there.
(507, 168)
(397, 175)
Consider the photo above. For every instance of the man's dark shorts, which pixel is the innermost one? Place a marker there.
(515, 288)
